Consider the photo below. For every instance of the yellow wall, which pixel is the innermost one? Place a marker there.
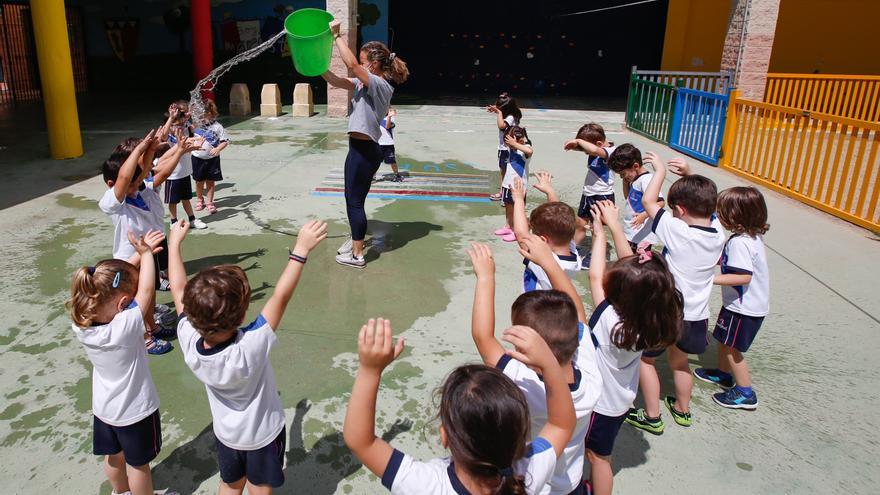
(828, 36)
(694, 37)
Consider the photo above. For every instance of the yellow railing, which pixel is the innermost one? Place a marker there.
(828, 162)
(851, 96)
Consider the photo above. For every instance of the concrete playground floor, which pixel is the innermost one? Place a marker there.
(814, 364)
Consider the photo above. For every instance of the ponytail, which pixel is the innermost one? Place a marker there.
(512, 485)
(93, 286)
(393, 67)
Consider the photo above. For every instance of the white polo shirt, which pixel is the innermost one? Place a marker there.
(184, 167)
(510, 121)
(140, 214)
(746, 255)
(535, 278)
(214, 135)
(387, 135)
(619, 367)
(517, 168)
(634, 207)
(123, 392)
(599, 180)
(691, 253)
(238, 377)
(584, 394)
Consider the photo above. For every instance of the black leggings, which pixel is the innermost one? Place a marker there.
(361, 164)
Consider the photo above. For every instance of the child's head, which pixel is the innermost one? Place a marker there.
(99, 292)
(592, 133)
(693, 195)
(626, 161)
(507, 106)
(180, 111)
(553, 315)
(484, 420)
(519, 133)
(110, 167)
(555, 221)
(742, 210)
(383, 62)
(211, 112)
(642, 291)
(216, 301)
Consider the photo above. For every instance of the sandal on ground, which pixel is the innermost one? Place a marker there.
(200, 205)
(211, 208)
(495, 197)
(157, 347)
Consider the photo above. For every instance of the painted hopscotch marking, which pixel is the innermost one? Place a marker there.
(432, 184)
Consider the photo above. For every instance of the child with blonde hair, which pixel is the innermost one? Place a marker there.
(206, 160)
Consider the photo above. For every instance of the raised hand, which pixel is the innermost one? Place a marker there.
(545, 181)
(570, 145)
(537, 250)
(609, 211)
(310, 235)
(375, 348)
(481, 259)
(148, 243)
(510, 141)
(178, 232)
(530, 348)
(679, 166)
(335, 26)
(654, 159)
(518, 191)
(492, 109)
(638, 220)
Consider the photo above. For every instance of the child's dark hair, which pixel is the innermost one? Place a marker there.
(216, 299)
(742, 210)
(486, 420)
(161, 149)
(555, 221)
(624, 157)
(182, 108)
(553, 315)
(591, 133)
(93, 286)
(645, 298)
(506, 104)
(393, 67)
(110, 167)
(518, 132)
(695, 193)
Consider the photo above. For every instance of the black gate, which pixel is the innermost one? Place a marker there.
(19, 72)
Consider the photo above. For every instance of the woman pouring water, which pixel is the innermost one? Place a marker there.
(372, 96)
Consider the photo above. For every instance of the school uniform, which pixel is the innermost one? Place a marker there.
(568, 474)
(503, 150)
(205, 166)
(386, 140)
(125, 404)
(598, 184)
(744, 306)
(620, 380)
(535, 278)
(634, 207)
(517, 168)
(245, 406)
(138, 214)
(406, 476)
(178, 186)
(691, 253)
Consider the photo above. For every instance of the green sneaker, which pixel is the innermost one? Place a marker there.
(684, 419)
(640, 420)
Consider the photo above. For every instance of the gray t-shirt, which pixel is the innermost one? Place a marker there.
(368, 106)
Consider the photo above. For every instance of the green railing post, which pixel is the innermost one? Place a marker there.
(630, 99)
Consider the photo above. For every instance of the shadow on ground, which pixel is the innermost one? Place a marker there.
(389, 236)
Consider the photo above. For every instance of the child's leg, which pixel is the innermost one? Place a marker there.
(723, 361)
(681, 375)
(209, 186)
(508, 215)
(200, 187)
(140, 480)
(236, 488)
(394, 168)
(258, 489)
(735, 361)
(114, 468)
(601, 475)
(187, 207)
(649, 383)
(172, 210)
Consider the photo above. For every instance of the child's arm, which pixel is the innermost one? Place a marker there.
(147, 160)
(545, 185)
(651, 196)
(597, 258)
(679, 166)
(733, 279)
(126, 171)
(176, 271)
(483, 313)
(587, 147)
(216, 150)
(310, 235)
(511, 143)
(349, 59)
(144, 245)
(376, 352)
(520, 220)
(166, 127)
(532, 350)
(537, 251)
(610, 216)
(171, 158)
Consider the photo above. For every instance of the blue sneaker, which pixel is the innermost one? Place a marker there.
(715, 377)
(734, 399)
(157, 347)
(585, 262)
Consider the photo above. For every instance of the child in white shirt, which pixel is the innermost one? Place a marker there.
(206, 160)
(598, 183)
(517, 169)
(386, 143)
(626, 161)
(179, 185)
(507, 114)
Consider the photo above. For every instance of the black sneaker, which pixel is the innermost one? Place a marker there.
(715, 377)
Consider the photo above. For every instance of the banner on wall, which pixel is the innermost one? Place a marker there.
(122, 34)
(248, 35)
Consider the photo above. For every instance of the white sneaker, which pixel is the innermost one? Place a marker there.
(345, 248)
(351, 260)
(198, 224)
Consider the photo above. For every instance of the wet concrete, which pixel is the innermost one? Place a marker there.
(812, 364)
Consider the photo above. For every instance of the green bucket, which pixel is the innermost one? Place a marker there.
(310, 41)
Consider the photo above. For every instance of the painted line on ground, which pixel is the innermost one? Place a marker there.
(413, 192)
(412, 197)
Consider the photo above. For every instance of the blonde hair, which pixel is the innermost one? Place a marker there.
(211, 109)
(393, 67)
(93, 286)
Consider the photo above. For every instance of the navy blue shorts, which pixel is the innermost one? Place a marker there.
(694, 339)
(506, 196)
(602, 433)
(260, 467)
(388, 153)
(206, 169)
(736, 330)
(177, 190)
(588, 201)
(139, 442)
(503, 157)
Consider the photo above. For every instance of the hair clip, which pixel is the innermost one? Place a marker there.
(392, 56)
(644, 253)
(508, 471)
(91, 270)
(116, 279)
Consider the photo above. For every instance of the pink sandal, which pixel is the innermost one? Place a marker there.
(511, 237)
(211, 208)
(504, 231)
(200, 205)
